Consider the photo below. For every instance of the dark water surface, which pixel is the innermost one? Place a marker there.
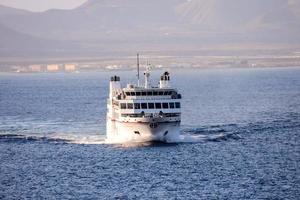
(240, 138)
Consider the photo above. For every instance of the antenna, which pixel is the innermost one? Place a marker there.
(138, 68)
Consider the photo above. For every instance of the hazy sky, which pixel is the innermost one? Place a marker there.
(42, 5)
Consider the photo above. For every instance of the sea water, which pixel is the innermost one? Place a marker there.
(240, 138)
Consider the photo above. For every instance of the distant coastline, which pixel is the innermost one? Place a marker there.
(174, 62)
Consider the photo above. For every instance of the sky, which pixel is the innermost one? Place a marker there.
(42, 5)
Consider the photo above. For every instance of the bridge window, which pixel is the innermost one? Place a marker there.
(160, 93)
(127, 93)
(158, 105)
(151, 105)
(129, 105)
(144, 105)
(177, 104)
(167, 93)
(155, 93)
(149, 93)
(138, 93)
(172, 105)
(137, 106)
(132, 93)
(165, 105)
(144, 93)
(123, 105)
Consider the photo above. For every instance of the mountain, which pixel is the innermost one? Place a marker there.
(4, 10)
(112, 25)
(96, 19)
(244, 20)
(11, 39)
(235, 14)
(14, 43)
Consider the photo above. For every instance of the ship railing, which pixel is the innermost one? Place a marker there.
(151, 115)
(175, 96)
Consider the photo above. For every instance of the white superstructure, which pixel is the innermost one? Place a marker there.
(143, 113)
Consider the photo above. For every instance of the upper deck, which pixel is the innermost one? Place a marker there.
(143, 103)
(150, 94)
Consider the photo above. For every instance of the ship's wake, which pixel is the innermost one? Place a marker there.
(187, 135)
(93, 139)
(61, 138)
(215, 133)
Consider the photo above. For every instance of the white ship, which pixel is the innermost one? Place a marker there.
(143, 112)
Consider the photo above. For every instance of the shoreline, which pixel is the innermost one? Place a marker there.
(155, 69)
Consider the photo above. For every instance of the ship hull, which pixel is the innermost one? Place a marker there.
(119, 132)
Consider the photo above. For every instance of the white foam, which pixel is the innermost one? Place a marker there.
(171, 139)
(189, 138)
(101, 139)
(129, 138)
(79, 138)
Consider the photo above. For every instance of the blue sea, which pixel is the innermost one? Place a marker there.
(240, 138)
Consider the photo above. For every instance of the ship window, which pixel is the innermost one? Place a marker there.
(138, 93)
(130, 105)
(160, 93)
(151, 105)
(144, 93)
(177, 104)
(132, 93)
(154, 93)
(149, 93)
(165, 105)
(158, 105)
(123, 105)
(128, 93)
(171, 105)
(137, 106)
(144, 105)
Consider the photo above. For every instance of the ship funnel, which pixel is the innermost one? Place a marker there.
(115, 78)
(114, 85)
(147, 76)
(164, 80)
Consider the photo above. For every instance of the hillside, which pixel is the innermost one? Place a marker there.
(156, 24)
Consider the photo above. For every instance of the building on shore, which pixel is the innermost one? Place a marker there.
(53, 68)
(69, 67)
(35, 68)
(113, 67)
